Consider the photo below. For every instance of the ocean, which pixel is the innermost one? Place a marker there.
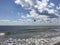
(33, 33)
(23, 28)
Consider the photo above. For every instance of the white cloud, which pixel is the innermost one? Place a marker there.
(31, 3)
(27, 21)
(58, 8)
(38, 6)
(51, 5)
(33, 13)
(50, 11)
(25, 3)
(17, 1)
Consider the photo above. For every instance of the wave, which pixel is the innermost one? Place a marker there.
(31, 41)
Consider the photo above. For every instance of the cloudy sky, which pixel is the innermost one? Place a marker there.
(29, 12)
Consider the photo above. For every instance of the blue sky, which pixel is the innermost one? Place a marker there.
(9, 10)
(29, 12)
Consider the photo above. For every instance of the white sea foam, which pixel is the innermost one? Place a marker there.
(32, 41)
(2, 34)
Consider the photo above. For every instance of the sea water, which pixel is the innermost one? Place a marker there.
(30, 35)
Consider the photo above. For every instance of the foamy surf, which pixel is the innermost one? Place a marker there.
(2, 34)
(31, 41)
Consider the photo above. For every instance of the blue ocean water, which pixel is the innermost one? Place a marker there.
(23, 28)
(31, 33)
